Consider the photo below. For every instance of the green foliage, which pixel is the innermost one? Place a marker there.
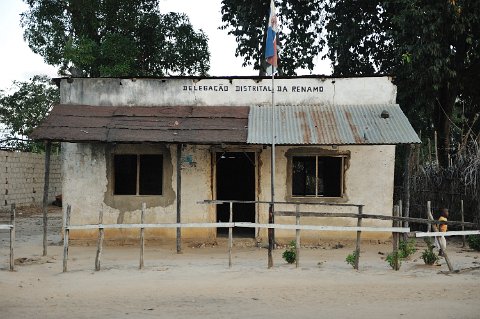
(431, 48)
(428, 255)
(290, 254)
(351, 258)
(407, 248)
(394, 257)
(114, 38)
(299, 39)
(23, 108)
(474, 242)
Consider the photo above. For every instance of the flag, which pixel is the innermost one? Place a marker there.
(271, 43)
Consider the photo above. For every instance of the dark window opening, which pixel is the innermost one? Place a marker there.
(138, 174)
(317, 176)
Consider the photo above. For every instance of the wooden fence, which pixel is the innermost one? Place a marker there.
(11, 228)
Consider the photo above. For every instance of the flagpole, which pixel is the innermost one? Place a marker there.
(271, 218)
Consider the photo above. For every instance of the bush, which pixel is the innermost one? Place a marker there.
(392, 257)
(290, 254)
(407, 248)
(429, 257)
(474, 242)
(351, 259)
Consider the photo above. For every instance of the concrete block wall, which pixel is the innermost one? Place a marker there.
(22, 178)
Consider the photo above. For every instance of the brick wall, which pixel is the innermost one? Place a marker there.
(22, 175)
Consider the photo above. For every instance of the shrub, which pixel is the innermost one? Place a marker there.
(429, 257)
(351, 259)
(474, 242)
(392, 257)
(407, 248)
(290, 254)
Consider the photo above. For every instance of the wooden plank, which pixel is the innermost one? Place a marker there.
(6, 227)
(167, 225)
(269, 202)
(448, 233)
(46, 182)
(373, 216)
(12, 237)
(100, 241)
(142, 234)
(66, 223)
(325, 228)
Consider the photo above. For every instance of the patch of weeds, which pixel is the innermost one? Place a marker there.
(351, 259)
(407, 248)
(394, 257)
(290, 254)
(428, 255)
(474, 242)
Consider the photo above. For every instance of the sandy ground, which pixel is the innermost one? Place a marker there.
(199, 284)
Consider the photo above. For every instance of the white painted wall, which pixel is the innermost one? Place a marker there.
(226, 91)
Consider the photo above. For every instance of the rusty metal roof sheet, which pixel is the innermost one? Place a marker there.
(327, 125)
(179, 124)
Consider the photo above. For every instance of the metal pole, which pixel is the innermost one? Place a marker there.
(271, 219)
(179, 197)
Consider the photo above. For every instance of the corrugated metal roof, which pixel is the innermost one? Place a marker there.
(327, 125)
(178, 124)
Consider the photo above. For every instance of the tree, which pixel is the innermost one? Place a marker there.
(114, 38)
(23, 109)
(432, 48)
(299, 39)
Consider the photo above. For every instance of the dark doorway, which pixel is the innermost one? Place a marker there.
(236, 181)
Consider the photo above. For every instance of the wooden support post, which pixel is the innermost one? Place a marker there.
(357, 247)
(179, 197)
(142, 234)
(463, 220)
(48, 147)
(12, 237)
(441, 243)
(66, 224)
(429, 151)
(101, 234)
(270, 236)
(436, 148)
(429, 211)
(230, 237)
(297, 236)
(396, 213)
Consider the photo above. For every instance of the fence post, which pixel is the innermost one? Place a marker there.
(46, 181)
(396, 213)
(66, 224)
(142, 234)
(357, 248)
(297, 236)
(429, 211)
(12, 237)
(230, 237)
(101, 231)
(270, 236)
(463, 220)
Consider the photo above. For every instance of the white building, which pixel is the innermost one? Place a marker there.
(174, 142)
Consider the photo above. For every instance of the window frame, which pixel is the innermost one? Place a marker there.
(317, 152)
(137, 178)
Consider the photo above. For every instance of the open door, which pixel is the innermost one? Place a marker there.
(235, 180)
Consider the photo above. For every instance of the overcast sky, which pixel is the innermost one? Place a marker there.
(18, 62)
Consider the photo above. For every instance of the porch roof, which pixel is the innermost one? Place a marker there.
(294, 124)
(382, 124)
(124, 124)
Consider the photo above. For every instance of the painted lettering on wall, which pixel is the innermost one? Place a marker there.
(254, 88)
